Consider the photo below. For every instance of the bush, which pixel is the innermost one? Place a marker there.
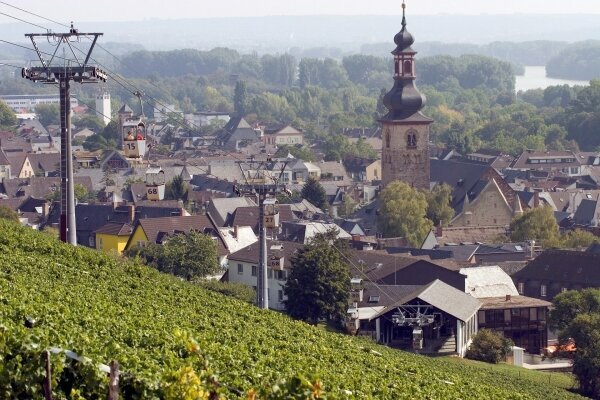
(489, 346)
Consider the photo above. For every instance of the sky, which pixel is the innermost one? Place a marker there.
(128, 10)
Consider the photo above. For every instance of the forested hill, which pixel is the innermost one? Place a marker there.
(579, 61)
(174, 339)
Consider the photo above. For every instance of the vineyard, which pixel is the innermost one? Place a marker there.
(175, 340)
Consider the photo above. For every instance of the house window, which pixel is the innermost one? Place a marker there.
(140, 243)
(481, 317)
(533, 314)
(521, 287)
(543, 290)
(240, 269)
(100, 243)
(574, 170)
(563, 289)
(280, 295)
(254, 270)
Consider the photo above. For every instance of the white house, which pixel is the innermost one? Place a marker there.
(243, 268)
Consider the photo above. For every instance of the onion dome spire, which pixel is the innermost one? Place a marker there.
(404, 99)
(403, 39)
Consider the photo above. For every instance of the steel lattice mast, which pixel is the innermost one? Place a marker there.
(263, 181)
(78, 71)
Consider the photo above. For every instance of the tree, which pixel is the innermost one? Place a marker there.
(403, 213)
(489, 346)
(98, 142)
(348, 206)
(109, 177)
(81, 193)
(240, 98)
(92, 122)
(576, 315)
(191, 255)
(177, 188)
(318, 284)
(538, 224)
(578, 239)
(314, 192)
(7, 116)
(8, 214)
(48, 113)
(438, 205)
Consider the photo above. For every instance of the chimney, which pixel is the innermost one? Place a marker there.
(536, 199)
(46, 209)
(131, 212)
(236, 231)
(439, 230)
(508, 297)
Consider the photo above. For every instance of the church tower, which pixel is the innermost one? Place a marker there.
(103, 106)
(405, 131)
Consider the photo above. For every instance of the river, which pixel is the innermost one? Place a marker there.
(535, 78)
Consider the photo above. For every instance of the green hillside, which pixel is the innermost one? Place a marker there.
(106, 309)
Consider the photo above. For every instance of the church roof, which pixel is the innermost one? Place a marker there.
(403, 39)
(125, 109)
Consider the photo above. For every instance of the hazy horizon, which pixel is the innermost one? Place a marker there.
(118, 10)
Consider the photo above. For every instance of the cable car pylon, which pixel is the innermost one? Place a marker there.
(263, 180)
(76, 70)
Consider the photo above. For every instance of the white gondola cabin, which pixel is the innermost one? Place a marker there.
(155, 184)
(271, 217)
(134, 139)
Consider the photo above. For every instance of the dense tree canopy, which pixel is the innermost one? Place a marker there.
(403, 212)
(318, 284)
(314, 192)
(176, 189)
(580, 61)
(48, 114)
(191, 255)
(537, 224)
(576, 315)
(439, 210)
(7, 116)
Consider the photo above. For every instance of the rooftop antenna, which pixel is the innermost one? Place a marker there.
(76, 70)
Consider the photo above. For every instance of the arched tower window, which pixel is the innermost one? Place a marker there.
(387, 138)
(411, 139)
(407, 67)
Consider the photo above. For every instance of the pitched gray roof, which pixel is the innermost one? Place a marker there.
(443, 297)
(587, 212)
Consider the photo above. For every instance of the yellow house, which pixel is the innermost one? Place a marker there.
(20, 165)
(113, 237)
(154, 230)
(373, 171)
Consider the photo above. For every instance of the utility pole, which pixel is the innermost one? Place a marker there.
(262, 181)
(78, 71)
